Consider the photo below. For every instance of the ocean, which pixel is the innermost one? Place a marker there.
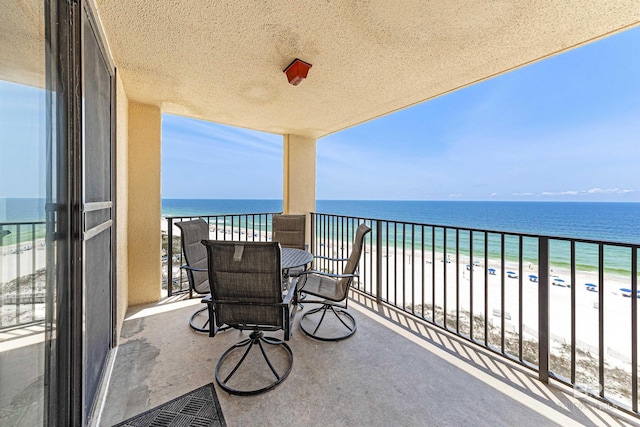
(617, 222)
(610, 222)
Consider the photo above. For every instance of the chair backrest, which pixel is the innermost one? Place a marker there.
(195, 254)
(354, 258)
(289, 231)
(249, 273)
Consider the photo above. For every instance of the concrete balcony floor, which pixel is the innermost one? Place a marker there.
(395, 371)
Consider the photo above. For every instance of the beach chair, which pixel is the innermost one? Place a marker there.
(246, 294)
(334, 290)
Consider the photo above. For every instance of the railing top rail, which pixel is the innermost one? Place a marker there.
(219, 214)
(22, 223)
(510, 233)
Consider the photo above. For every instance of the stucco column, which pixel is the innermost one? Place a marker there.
(299, 174)
(122, 203)
(144, 238)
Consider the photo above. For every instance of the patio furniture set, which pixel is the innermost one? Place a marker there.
(257, 287)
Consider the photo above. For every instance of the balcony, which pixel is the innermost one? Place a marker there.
(409, 363)
(396, 370)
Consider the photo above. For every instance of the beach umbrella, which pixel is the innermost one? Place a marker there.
(492, 271)
(533, 278)
(591, 287)
(512, 274)
(625, 292)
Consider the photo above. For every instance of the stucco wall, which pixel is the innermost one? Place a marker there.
(144, 204)
(122, 205)
(299, 176)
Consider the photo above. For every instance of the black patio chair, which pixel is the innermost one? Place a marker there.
(334, 290)
(289, 231)
(246, 294)
(195, 255)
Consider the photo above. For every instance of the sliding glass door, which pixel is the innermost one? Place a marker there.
(28, 196)
(56, 212)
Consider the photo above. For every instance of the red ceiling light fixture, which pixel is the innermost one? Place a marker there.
(297, 71)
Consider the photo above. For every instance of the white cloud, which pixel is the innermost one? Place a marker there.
(608, 190)
(561, 193)
(494, 194)
(522, 194)
(455, 195)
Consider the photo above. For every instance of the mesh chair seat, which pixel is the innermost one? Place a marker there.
(323, 287)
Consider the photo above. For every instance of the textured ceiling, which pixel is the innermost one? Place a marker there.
(22, 43)
(223, 60)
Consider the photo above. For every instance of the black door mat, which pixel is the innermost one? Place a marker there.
(199, 407)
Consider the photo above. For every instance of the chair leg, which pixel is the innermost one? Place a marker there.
(198, 322)
(346, 323)
(256, 338)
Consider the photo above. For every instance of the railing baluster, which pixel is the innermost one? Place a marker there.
(543, 310)
(33, 272)
(387, 256)
(378, 262)
(413, 269)
(2, 300)
(457, 280)
(395, 264)
(634, 330)
(404, 263)
(444, 277)
(471, 285)
(502, 287)
(18, 275)
(486, 290)
(573, 312)
(601, 318)
(520, 304)
(433, 274)
(169, 256)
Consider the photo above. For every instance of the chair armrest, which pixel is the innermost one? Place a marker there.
(330, 259)
(290, 294)
(209, 300)
(323, 273)
(187, 267)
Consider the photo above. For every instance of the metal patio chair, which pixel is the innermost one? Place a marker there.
(195, 254)
(289, 231)
(247, 294)
(334, 290)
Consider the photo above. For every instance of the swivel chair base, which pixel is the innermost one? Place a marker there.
(346, 322)
(199, 321)
(256, 338)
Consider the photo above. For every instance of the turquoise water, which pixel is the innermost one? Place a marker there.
(614, 222)
(618, 222)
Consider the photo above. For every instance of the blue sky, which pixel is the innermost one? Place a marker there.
(566, 129)
(563, 129)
